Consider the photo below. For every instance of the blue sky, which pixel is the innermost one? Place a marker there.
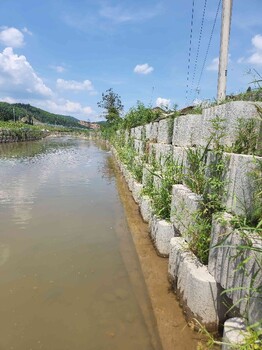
(60, 55)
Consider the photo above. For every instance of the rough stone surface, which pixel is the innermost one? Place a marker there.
(225, 258)
(195, 129)
(139, 132)
(187, 130)
(161, 232)
(136, 191)
(239, 183)
(184, 205)
(157, 181)
(129, 180)
(147, 176)
(139, 147)
(151, 131)
(195, 287)
(124, 170)
(132, 133)
(162, 153)
(146, 208)
(151, 152)
(230, 112)
(165, 131)
(180, 155)
(234, 333)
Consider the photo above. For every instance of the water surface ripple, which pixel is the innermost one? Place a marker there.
(69, 273)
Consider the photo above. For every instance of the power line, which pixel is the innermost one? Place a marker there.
(199, 44)
(208, 47)
(190, 48)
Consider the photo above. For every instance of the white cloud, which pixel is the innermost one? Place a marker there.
(162, 102)
(121, 14)
(213, 66)
(241, 60)
(74, 85)
(58, 69)
(143, 69)
(18, 76)
(27, 31)
(257, 42)
(11, 37)
(67, 107)
(256, 57)
(8, 99)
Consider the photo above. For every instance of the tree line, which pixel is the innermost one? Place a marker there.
(17, 111)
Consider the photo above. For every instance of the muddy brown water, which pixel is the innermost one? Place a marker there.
(70, 275)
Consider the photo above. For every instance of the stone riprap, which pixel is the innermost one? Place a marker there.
(198, 287)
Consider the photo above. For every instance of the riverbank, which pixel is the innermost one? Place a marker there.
(20, 132)
(173, 329)
(199, 189)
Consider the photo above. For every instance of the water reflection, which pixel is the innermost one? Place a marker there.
(70, 277)
(107, 169)
(40, 162)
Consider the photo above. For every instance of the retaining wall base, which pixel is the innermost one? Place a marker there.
(198, 292)
(234, 333)
(161, 232)
(146, 208)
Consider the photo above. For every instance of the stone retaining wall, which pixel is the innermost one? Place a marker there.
(199, 287)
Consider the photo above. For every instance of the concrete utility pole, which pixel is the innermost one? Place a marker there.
(224, 45)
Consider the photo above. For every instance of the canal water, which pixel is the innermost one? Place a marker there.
(70, 277)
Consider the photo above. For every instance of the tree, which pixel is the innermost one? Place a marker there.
(111, 103)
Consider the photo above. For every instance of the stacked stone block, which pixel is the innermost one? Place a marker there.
(199, 287)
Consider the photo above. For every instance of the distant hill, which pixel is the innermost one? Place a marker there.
(20, 111)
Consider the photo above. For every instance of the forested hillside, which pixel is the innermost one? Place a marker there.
(19, 110)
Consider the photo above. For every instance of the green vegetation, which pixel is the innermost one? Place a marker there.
(21, 131)
(112, 105)
(17, 111)
(249, 136)
(170, 174)
(139, 115)
(252, 340)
